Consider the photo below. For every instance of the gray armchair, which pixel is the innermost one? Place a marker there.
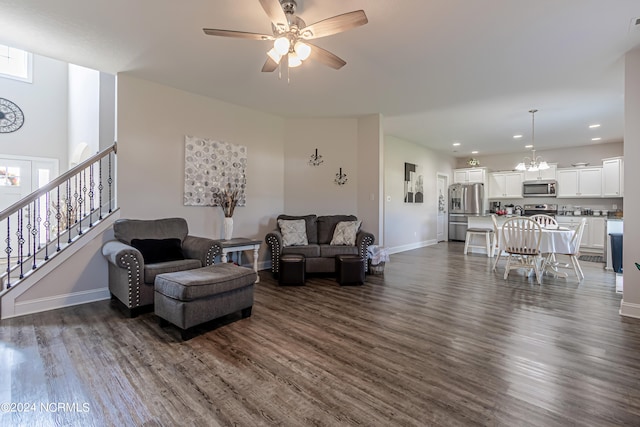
(167, 247)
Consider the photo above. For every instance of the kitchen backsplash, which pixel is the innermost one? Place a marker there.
(569, 205)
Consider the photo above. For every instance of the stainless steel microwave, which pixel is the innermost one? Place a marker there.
(540, 188)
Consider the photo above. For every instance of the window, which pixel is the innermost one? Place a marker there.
(9, 176)
(15, 64)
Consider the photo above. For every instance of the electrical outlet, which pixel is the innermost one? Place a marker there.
(614, 206)
(388, 198)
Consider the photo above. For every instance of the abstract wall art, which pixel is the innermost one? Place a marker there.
(413, 184)
(211, 165)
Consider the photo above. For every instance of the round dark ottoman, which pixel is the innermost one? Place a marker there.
(292, 269)
(349, 270)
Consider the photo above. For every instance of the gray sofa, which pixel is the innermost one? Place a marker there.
(319, 253)
(167, 246)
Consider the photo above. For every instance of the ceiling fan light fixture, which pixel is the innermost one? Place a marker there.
(282, 45)
(274, 55)
(294, 60)
(303, 50)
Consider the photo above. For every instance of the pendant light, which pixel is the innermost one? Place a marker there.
(533, 163)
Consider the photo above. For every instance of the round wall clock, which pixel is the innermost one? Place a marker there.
(11, 116)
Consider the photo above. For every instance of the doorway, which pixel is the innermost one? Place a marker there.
(442, 181)
(20, 176)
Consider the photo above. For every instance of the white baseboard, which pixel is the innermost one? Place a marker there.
(411, 246)
(59, 301)
(629, 309)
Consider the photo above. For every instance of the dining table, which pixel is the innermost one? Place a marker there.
(553, 240)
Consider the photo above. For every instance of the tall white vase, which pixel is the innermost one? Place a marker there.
(228, 228)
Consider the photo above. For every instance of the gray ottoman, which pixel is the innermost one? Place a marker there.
(188, 298)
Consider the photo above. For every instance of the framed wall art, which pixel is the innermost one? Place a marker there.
(210, 166)
(413, 184)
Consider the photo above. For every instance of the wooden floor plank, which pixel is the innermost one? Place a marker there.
(438, 339)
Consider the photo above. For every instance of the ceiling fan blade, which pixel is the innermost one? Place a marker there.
(275, 13)
(336, 24)
(327, 58)
(269, 65)
(236, 34)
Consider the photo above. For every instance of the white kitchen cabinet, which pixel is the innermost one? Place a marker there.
(593, 239)
(470, 175)
(505, 185)
(546, 174)
(580, 182)
(612, 177)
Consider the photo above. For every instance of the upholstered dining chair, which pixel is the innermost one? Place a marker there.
(521, 242)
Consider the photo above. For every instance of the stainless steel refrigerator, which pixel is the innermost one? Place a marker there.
(465, 200)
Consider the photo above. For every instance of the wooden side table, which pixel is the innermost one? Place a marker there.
(241, 244)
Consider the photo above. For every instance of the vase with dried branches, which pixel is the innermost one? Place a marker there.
(227, 198)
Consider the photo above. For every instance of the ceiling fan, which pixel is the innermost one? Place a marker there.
(291, 35)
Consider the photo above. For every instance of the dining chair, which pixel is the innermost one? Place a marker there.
(544, 220)
(521, 242)
(576, 239)
(496, 241)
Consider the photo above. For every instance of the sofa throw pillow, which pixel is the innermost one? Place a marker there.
(345, 233)
(294, 232)
(159, 250)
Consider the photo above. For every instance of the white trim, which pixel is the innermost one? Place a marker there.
(29, 70)
(411, 246)
(629, 309)
(59, 301)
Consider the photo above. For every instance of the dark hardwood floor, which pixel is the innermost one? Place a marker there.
(437, 340)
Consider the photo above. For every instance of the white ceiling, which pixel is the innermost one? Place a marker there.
(439, 71)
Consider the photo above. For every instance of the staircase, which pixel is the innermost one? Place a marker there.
(55, 221)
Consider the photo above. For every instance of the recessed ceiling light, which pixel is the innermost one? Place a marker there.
(517, 136)
(474, 152)
(596, 139)
(528, 146)
(456, 144)
(594, 126)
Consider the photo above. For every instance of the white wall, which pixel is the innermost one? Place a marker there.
(353, 144)
(311, 189)
(84, 113)
(107, 110)
(411, 225)
(152, 123)
(44, 104)
(371, 175)
(630, 304)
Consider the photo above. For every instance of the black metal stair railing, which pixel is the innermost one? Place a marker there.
(42, 224)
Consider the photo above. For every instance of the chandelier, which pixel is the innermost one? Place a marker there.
(533, 163)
